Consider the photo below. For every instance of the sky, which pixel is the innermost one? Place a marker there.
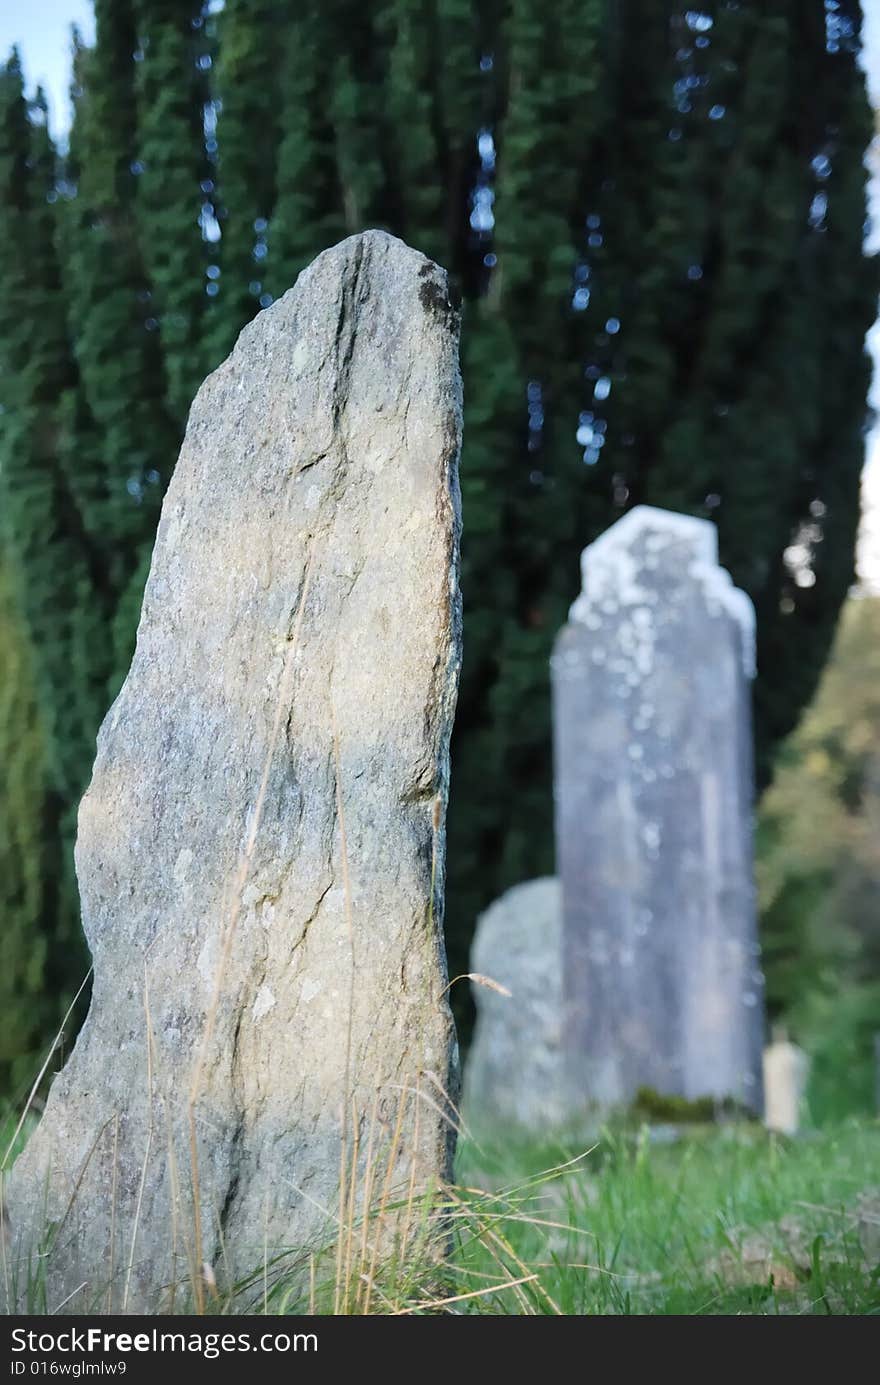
(41, 28)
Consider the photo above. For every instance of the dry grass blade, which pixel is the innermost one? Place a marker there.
(265, 1261)
(480, 980)
(384, 1202)
(73, 1293)
(174, 1184)
(848, 1212)
(56, 1230)
(429, 1101)
(496, 1239)
(346, 1195)
(113, 1213)
(41, 1074)
(143, 1178)
(414, 1154)
(545, 1176)
(369, 1177)
(430, 1304)
(352, 1205)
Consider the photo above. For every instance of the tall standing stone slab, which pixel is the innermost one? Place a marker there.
(260, 852)
(653, 787)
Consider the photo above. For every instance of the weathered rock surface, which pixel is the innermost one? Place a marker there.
(261, 848)
(514, 1072)
(653, 786)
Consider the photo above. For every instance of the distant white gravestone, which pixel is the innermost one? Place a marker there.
(786, 1073)
(261, 849)
(652, 731)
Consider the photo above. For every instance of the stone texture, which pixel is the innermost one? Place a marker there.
(301, 614)
(653, 787)
(513, 1075)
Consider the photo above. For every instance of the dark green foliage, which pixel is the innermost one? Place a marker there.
(819, 871)
(708, 279)
(25, 847)
(411, 142)
(655, 217)
(171, 88)
(250, 44)
(307, 211)
(50, 605)
(85, 437)
(521, 474)
(113, 319)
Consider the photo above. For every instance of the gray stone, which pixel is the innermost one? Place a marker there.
(513, 1076)
(653, 788)
(261, 849)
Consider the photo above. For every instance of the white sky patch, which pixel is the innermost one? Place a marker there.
(42, 31)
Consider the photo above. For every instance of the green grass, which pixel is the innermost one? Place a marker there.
(13, 1139)
(723, 1221)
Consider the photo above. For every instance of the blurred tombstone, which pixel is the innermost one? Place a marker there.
(662, 986)
(786, 1072)
(261, 848)
(513, 1078)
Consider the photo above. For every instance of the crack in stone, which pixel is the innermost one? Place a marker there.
(311, 918)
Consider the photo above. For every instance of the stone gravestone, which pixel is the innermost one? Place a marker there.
(261, 848)
(514, 1069)
(786, 1073)
(653, 789)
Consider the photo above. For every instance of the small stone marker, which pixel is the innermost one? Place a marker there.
(514, 1071)
(261, 849)
(653, 787)
(786, 1073)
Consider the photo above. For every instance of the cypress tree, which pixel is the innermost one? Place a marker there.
(462, 34)
(354, 111)
(115, 330)
(40, 528)
(174, 176)
(658, 240)
(248, 134)
(721, 222)
(25, 847)
(410, 134)
(307, 213)
(14, 158)
(520, 482)
(113, 319)
(53, 637)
